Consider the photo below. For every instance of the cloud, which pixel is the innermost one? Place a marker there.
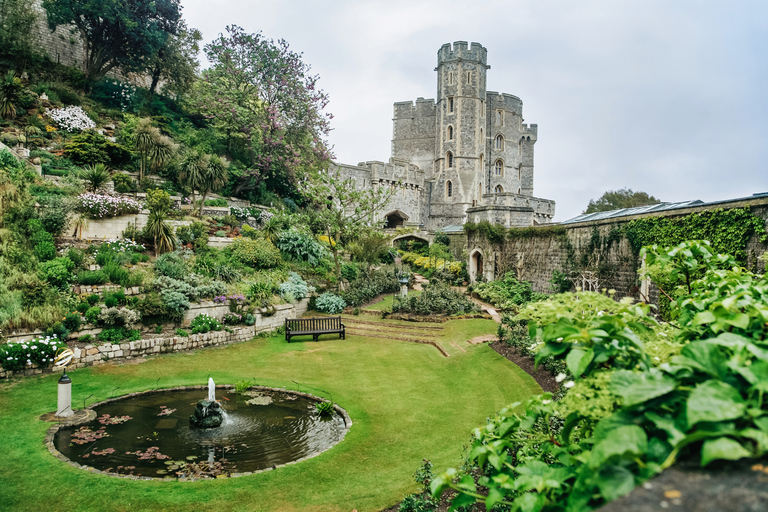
(664, 97)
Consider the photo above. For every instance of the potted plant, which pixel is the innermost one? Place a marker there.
(403, 276)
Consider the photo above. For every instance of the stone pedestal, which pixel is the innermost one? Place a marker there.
(64, 408)
(404, 290)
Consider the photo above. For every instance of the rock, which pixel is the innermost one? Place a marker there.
(207, 415)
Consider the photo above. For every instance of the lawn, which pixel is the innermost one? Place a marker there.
(386, 303)
(407, 402)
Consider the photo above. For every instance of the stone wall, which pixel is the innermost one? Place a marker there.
(614, 265)
(92, 355)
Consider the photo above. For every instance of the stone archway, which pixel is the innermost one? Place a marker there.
(476, 265)
(394, 219)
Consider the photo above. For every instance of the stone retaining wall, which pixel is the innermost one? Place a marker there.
(92, 354)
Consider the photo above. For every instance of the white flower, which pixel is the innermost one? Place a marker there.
(560, 377)
(569, 384)
(546, 402)
(559, 339)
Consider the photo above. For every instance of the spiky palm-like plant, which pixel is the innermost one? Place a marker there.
(96, 176)
(271, 230)
(214, 177)
(162, 152)
(145, 137)
(81, 224)
(10, 90)
(161, 232)
(193, 166)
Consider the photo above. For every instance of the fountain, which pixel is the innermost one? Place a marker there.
(208, 413)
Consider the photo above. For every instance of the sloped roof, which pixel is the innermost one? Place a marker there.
(640, 210)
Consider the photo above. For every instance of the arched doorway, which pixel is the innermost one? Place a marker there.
(476, 265)
(395, 219)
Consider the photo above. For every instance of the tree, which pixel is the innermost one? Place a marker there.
(213, 177)
(341, 209)
(116, 33)
(17, 18)
(617, 199)
(154, 148)
(175, 63)
(159, 203)
(263, 100)
(191, 171)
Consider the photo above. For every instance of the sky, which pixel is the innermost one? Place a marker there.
(665, 96)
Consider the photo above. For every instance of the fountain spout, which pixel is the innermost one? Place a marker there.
(211, 390)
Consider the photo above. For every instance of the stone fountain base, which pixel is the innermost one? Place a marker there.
(208, 414)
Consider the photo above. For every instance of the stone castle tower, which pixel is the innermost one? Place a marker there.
(471, 148)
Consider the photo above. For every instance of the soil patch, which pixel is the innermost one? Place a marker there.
(542, 376)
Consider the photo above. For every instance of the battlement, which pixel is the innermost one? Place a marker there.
(464, 51)
(410, 109)
(508, 102)
(532, 130)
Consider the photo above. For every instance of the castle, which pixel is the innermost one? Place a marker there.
(466, 157)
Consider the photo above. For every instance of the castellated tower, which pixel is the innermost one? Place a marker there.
(468, 155)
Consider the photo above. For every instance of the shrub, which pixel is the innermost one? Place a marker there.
(507, 292)
(71, 119)
(92, 315)
(112, 299)
(83, 307)
(123, 183)
(91, 148)
(437, 298)
(249, 319)
(57, 272)
(92, 277)
(349, 271)
(175, 303)
(72, 321)
(76, 256)
(230, 220)
(182, 333)
(151, 307)
(118, 334)
(369, 286)
(172, 264)
(220, 202)
(93, 299)
(256, 253)
(232, 319)
(220, 234)
(54, 214)
(45, 251)
(203, 323)
(330, 303)
(298, 246)
(17, 355)
(227, 273)
(296, 287)
(116, 273)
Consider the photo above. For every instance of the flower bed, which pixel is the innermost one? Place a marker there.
(22, 354)
(99, 206)
(71, 118)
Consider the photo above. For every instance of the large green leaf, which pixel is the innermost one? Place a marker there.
(714, 401)
(635, 388)
(578, 360)
(722, 448)
(703, 356)
(615, 481)
(625, 440)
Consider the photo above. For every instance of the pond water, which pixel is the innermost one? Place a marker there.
(149, 434)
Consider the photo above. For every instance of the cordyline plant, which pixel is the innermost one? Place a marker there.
(706, 403)
(261, 95)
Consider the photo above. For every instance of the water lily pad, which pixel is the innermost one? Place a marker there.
(161, 472)
(260, 400)
(191, 457)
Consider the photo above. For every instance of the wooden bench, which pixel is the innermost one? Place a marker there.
(314, 326)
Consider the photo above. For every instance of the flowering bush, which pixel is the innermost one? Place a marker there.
(72, 119)
(21, 354)
(204, 323)
(244, 212)
(99, 206)
(232, 319)
(121, 245)
(327, 241)
(330, 303)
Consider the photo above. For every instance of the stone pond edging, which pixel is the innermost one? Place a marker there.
(51, 432)
(94, 354)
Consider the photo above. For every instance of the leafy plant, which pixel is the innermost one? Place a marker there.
(507, 292)
(325, 408)
(330, 303)
(437, 298)
(92, 315)
(96, 176)
(256, 253)
(203, 323)
(242, 386)
(296, 287)
(182, 333)
(298, 246)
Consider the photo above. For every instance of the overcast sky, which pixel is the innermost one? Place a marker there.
(668, 97)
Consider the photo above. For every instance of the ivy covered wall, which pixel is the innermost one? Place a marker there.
(605, 254)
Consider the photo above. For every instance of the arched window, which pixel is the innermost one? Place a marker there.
(449, 159)
(450, 133)
(520, 173)
(481, 163)
(499, 118)
(449, 189)
(498, 168)
(498, 143)
(450, 104)
(499, 190)
(518, 190)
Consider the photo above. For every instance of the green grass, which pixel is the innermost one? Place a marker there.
(406, 400)
(386, 303)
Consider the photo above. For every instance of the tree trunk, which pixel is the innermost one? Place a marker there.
(155, 80)
(202, 203)
(335, 252)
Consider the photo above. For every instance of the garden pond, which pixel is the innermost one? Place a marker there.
(149, 434)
